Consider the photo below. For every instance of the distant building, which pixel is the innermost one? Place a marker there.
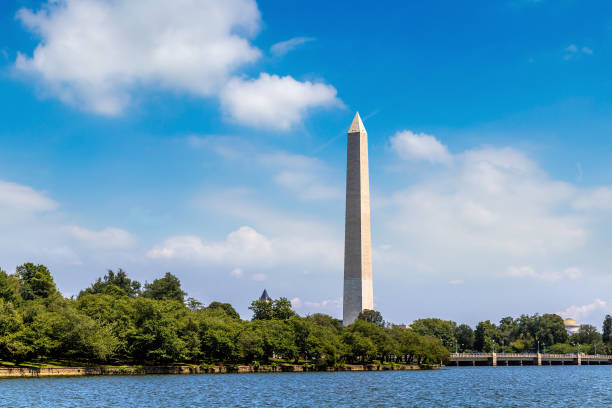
(571, 326)
(265, 296)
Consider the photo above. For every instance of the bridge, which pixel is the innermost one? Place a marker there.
(521, 359)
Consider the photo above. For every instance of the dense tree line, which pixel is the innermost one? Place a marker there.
(119, 321)
(523, 334)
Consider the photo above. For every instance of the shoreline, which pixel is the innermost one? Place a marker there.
(33, 372)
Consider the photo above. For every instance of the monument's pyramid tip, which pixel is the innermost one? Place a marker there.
(357, 125)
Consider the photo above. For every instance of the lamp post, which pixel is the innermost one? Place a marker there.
(493, 346)
(456, 348)
(538, 346)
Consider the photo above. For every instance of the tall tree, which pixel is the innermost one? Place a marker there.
(274, 309)
(441, 329)
(465, 337)
(487, 336)
(225, 307)
(586, 335)
(36, 281)
(113, 281)
(166, 288)
(372, 316)
(8, 287)
(607, 329)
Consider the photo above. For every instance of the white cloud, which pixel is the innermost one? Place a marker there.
(244, 247)
(332, 307)
(93, 53)
(237, 273)
(281, 48)
(305, 176)
(259, 277)
(529, 272)
(584, 311)
(106, 238)
(23, 199)
(412, 146)
(573, 51)
(32, 228)
(240, 245)
(97, 54)
(492, 208)
(274, 102)
(594, 199)
(456, 282)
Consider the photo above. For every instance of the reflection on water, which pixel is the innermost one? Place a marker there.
(569, 386)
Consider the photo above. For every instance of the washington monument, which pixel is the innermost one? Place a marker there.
(358, 294)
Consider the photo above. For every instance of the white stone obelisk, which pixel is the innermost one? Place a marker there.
(358, 294)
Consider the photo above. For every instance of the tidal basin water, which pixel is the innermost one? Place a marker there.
(569, 386)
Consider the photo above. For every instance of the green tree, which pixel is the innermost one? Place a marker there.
(372, 316)
(12, 347)
(486, 336)
(273, 309)
(8, 287)
(225, 307)
(441, 329)
(465, 337)
(166, 288)
(607, 329)
(36, 281)
(219, 336)
(156, 336)
(194, 304)
(587, 334)
(114, 283)
(550, 330)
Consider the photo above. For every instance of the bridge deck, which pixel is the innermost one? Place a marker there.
(494, 359)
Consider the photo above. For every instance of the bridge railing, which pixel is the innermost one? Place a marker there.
(532, 355)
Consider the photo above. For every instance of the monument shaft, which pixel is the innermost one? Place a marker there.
(358, 293)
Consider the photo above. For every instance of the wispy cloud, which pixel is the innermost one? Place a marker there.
(529, 272)
(281, 48)
(574, 51)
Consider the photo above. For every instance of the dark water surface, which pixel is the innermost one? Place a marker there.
(568, 386)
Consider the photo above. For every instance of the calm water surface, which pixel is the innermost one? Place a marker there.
(569, 386)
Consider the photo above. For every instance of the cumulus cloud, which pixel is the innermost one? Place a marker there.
(584, 311)
(493, 207)
(97, 54)
(93, 53)
(412, 146)
(281, 48)
(241, 248)
(244, 243)
(274, 102)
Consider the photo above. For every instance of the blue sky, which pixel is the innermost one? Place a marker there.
(207, 138)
